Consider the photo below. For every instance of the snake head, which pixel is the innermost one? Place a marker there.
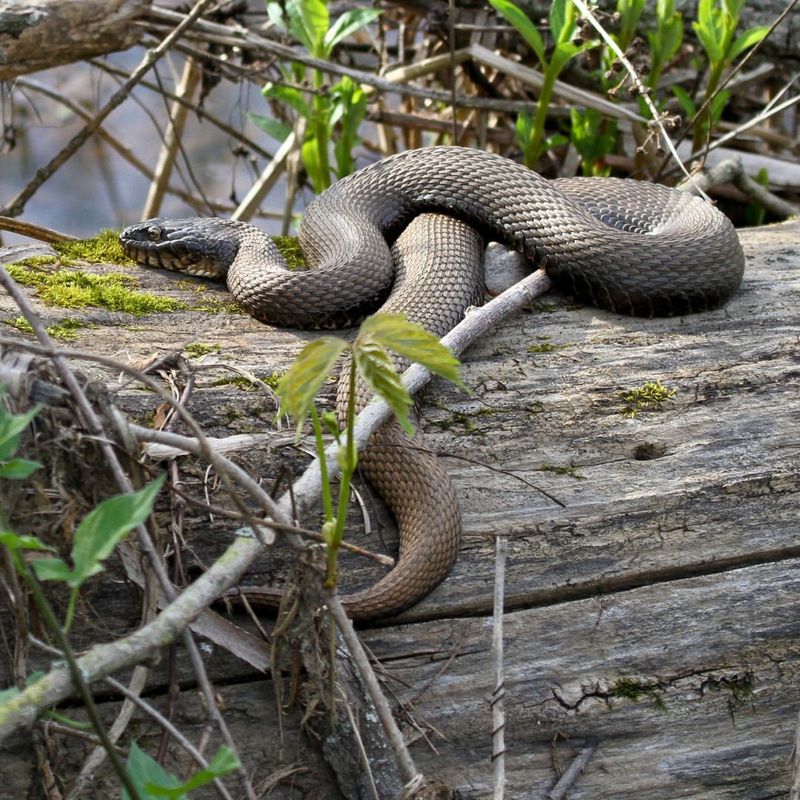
(195, 246)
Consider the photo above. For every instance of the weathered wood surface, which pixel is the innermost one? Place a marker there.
(39, 34)
(655, 614)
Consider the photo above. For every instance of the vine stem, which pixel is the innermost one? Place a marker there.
(327, 500)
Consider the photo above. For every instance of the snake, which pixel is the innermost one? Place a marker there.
(406, 235)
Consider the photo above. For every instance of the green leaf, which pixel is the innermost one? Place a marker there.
(300, 384)
(292, 97)
(223, 762)
(630, 11)
(562, 20)
(708, 38)
(665, 9)
(558, 18)
(11, 426)
(520, 20)
(717, 105)
(51, 569)
(99, 532)
(746, 40)
(276, 15)
(328, 529)
(347, 24)
(309, 153)
(347, 465)
(350, 106)
(671, 38)
(330, 422)
(523, 128)
(375, 367)
(733, 8)
(408, 339)
(705, 14)
(687, 104)
(148, 775)
(274, 128)
(18, 469)
(556, 140)
(309, 22)
(15, 542)
(563, 53)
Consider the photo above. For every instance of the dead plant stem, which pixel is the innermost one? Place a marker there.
(169, 149)
(405, 763)
(498, 672)
(17, 205)
(124, 484)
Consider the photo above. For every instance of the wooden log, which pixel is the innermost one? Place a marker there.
(653, 616)
(39, 34)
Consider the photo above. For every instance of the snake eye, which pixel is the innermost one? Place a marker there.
(154, 233)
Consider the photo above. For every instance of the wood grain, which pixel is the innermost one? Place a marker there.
(656, 613)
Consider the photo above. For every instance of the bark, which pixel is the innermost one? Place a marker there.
(39, 34)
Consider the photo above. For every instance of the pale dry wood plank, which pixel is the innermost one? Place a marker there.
(638, 544)
(715, 658)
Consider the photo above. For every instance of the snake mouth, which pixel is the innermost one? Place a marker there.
(166, 259)
(158, 244)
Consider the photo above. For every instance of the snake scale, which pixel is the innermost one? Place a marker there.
(405, 234)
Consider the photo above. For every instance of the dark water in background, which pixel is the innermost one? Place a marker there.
(96, 187)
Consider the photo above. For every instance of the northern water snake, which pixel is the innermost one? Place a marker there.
(623, 245)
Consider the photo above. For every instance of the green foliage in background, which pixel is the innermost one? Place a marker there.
(333, 114)
(530, 129)
(153, 782)
(716, 27)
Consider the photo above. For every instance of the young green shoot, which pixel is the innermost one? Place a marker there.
(309, 22)
(563, 17)
(371, 362)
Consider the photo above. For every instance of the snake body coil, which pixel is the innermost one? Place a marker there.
(626, 246)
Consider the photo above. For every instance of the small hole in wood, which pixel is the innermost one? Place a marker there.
(649, 451)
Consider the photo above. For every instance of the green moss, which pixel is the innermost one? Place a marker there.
(649, 396)
(210, 305)
(740, 688)
(544, 345)
(213, 306)
(272, 380)
(289, 247)
(20, 323)
(466, 421)
(198, 349)
(104, 248)
(634, 690)
(247, 385)
(571, 471)
(65, 329)
(66, 288)
(545, 307)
